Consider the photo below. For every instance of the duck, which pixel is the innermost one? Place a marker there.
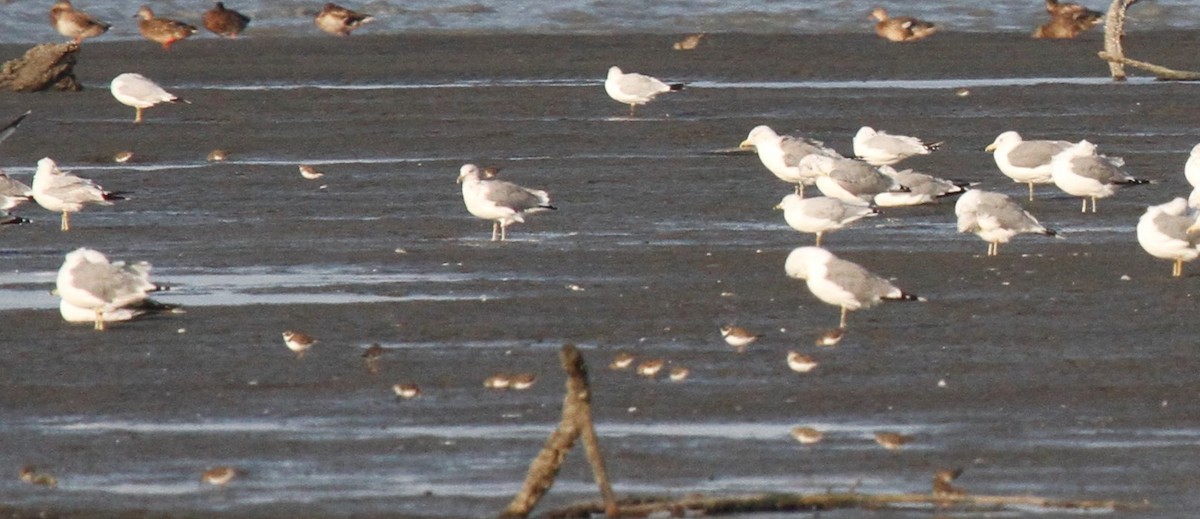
(901, 28)
(225, 22)
(162, 30)
(339, 21)
(75, 24)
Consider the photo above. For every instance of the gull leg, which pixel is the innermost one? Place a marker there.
(99, 320)
(819, 234)
(1084, 210)
(66, 221)
(138, 118)
(631, 107)
(495, 228)
(1031, 191)
(800, 190)
(503, 232)
(1093, 204)
(1177, 269)
(843, 323)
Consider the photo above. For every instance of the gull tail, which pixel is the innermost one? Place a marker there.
(547, 207)
(1134, 182)
(12, 219)
(675, 87)
(12, 127)
(1049, 232)
(934, 146)
(178, 99)
(901, 295)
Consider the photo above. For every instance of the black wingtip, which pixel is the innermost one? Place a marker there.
(935, 146)
(116, 195)
(548, 207)
(1050, 232)
(676, 87)
(13, 219)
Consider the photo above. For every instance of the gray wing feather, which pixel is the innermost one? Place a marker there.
(110, 282)
(1097, 168)
(70, 188)
(512, 196)
(638, 84)
(11, 187)
(1031, 154)
(796, 148)
(1006, 212)
(866, 287)
(860, 178)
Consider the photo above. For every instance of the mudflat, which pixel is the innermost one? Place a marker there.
(1063, 367)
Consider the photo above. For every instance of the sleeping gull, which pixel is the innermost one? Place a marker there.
(855, 181)
(87, 280)
(1027, 162)
(1166, 231)
(781, 154)
(634, 89)
(1191, 171)
(499, 201)
(135, 90)
(920, 186)
(1079, 171)
(884, 149)
(62, 192)
(13, 192)
(839, 282)
(821, 214)
(995, 217)
(74, 314)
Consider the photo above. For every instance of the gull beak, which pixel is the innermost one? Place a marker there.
(990, 147)
(745, 145)
(459, 180)
(778, 207)
(1194, 229)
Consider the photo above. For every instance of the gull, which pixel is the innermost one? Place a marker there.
(781, 154)
(162, 30)
(841, 283)
(1027, 162)
(339, 21)
(821, 214)
(856, 182)
(502, 202)
(884, 149)
(1166, 231)
(87, 280)
(995, 218)
(61, 192)
(225, 22)
(634, 89)
(11, 127)
(74, 314)
(920, 188)
(1079, 171)
(75, 24)
(1191, 171)
(132, 89)
(901, 28)
(13, 192)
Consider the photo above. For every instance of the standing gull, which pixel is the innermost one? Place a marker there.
(62, 192)
(225, 22)
(839, 282)
(13, 192)
(87, 280)
(1166, 231)
(634, 89)
(135, 90)
(339, 21)
(781, 154)
(73, 23)
(1191, 171)
(884, 149)
(921, 187)
(1079, 171)
(499, 201)
(995, 218)
(1027, 162)
(819, 215)
(856, 182)
(162, 30)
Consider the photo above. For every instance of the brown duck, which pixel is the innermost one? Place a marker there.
(73, 23)
(1064, 27)
(162, 30)
(901, 28)
(339, 21)
(1055, 8)
(225, 22)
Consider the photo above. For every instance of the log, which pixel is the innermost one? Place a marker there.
(43, 67)
(1160, 72)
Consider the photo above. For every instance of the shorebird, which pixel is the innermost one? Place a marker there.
(298, 342)
(217, 155)
(310, 172)
(225, 22)
(650, 368)
(498, 381)
(689, 42)
(841, 283)
(635, 89)
(995, 218)
(87, 280)
(819, 215)
(739, 337)
(132, 89)
(121, 157)
(339, 21)
(622, 360)
(406, 391)
(879, 148)
(75, 24)
(1167, 231)
(504, 203)
(901, 28)
(942, 480)
(678, 374)
(892, 440)
(30, 475)
(1027, 162)
(522, 381)
(162, 30)
(830, 337)
(61, 192)
(800, 363)
(218, 476)
(807, 435)
(781, 154)
(1079, 171)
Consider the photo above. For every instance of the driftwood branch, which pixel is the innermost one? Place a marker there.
(1114, 52)
(576, 422)
(1160, 72)
(701, 505)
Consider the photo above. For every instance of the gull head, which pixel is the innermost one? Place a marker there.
(468, 171)
(757, 135)
(47, 166)
(801, 260)
(866, 132)
(788, 202)
(614, 72)
(1081, 149)
(1009, 138)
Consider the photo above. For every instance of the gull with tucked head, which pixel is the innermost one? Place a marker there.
(879, 148)
(62, 192)
(87, 280)
(504, 203)
(1167, 231)
(841, 283)
(995, 218)
(139, 92)
(634, 89)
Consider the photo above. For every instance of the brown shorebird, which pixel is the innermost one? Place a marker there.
(225, 22)
(75, 24)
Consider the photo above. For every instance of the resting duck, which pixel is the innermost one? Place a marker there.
(73, 23)
(339, 21)
(901, 28)
(1074, 10)
(1064, 27)
(162, 30)
(225, 22)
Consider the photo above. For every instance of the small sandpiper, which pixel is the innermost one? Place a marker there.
(621, 361)
(738, 337)
(122, 157)
(406, 391)
(892, 440)
(689, 42)
(498, 381)
(831, 337)
(298, 342)
(371, 357)
(522, 381)
(218, 155)
(218, 476)
(942, 482)
(310, 172)
(650, 368)
(33, 477)
(807, 435)
(800, 363)
(679, 374)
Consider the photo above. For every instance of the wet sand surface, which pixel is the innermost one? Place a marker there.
(1068, 364)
